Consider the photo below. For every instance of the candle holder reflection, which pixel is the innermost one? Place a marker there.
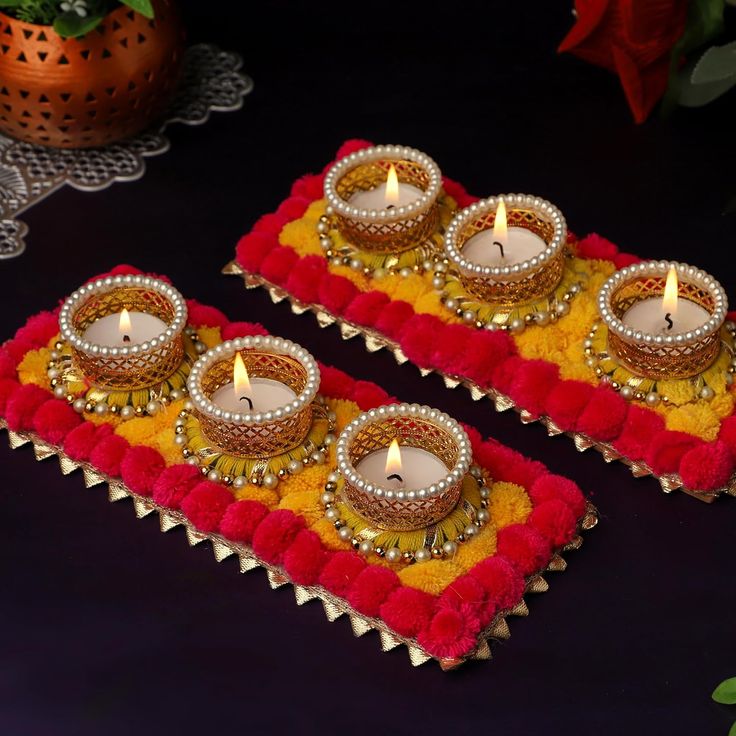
(253, 433)
(383, 201)
(505, 263)
(120, 335)
(661, 351)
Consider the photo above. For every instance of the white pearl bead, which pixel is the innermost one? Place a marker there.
(393, 554)
(79, 405)
(627, 392)
(270, 480)
(60, 391)
(471, 530)
(366, 547)
(214, 475)
(652, 398)
(449, 548)
(345, 533)
(423, 555)
(101, 408)
(483, 515)
(152, 407)
(295, 466)
(240, 481)
(332, 514)
(707, 393)
(127, 412)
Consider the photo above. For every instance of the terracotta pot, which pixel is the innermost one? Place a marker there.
(76, 93)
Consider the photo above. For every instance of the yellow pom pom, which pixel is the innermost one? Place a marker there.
(480, 547)
(326, 531)
(432, 577)
(508, 504)
(267, 497)
(304, 503)
(34, 366)
(301, 234)
(210, 336)
(698, 419)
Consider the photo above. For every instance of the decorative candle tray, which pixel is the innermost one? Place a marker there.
(447, 609)
(549, 373)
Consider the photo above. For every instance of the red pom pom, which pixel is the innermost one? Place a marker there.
(305, 558)
(524, 547)
(640, 427)
(594, 246)
(408, 610)
(506, 464)
(451, 633)
(7, 365)
(622, 260)
(464, 590)
(393, 317)
(54, 420)
(277, 265)
(603, 419)
(366, 308)
(666, 449)
(452, 342)
(368, 395)
(727, 433)
(341, 571)
(293, 208)
(371, 588)
(503, 583)
(335, 383)
(241, 519)
(80, 442)
(554, 521)
(253, 248)
(205, 505)
(549, 487)
(7, 388)
(39, 329)
(122, 269)
(336, 293)
(351, 146)
(242, 329)
(17, 348)
(304, 279)
(202, 315)
(707, 467)
(172, 486)
(22, 404)
(275, 533)
(270, 224)
(310, 186)
(418, 338)
(566, 402)
(505, 373)
(108, 453)
(532, 385)
(458, 193)
(140, 468)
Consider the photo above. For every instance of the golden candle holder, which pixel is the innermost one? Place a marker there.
(658, 355)
(381, 231)
(535, 290)
(255, 434)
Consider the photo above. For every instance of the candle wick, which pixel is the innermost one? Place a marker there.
(395, 476)
(500, 245)
(248, 399)
(126, 338)
(668, 320)
(390, 206)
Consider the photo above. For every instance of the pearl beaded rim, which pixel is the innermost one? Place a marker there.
(102, 286)
(541, 207)
(225, 350)
(366, 155)
(444, 421)
(686, 273)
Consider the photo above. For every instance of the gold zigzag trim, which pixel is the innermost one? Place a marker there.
(334, 607)
(375, 341)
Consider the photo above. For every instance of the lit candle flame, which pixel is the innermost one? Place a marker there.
(392, 186)
(500, 229)
(669, 301)
(124, 326)
(393, 462)
(241, 381)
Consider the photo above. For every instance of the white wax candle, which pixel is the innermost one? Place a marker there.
(648, 316)
(375, 199)
(419, 468)
(266, 395)
(521, 245)
(106, 330)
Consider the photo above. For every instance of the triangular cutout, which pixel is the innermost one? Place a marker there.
(130, 15)
(21, 57)
(43, 98)
(124, 42)
(131, 85)
(41, 36)
(8, 30)
(62, 60)
(116, 26)
(4, 91)
(25, 114)
(110, 91)
(65, 96)
(67, 116)
(90, 97)
(42, 55)
(92, 113)
(141, 38)
(27, 33)
(46, 115)
(84, 53)
(106, 54)
(5, 48)
(24, 93)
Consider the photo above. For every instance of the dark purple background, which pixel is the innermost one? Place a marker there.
(109, 626)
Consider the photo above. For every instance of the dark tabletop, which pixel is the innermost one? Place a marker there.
(110, 627)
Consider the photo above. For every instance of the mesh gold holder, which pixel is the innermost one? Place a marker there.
(662, 356)
(255, 434)
(520, 283)
(384, 231)
(414, 426)
(127, 368)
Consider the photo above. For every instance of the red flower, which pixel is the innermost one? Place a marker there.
(633, 38)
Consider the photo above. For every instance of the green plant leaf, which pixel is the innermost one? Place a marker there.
(715, 65)
(10, 3)
(71, 25)
(725, 693)
(143, 7)
(732, 730)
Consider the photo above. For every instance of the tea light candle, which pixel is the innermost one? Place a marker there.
(124, 328)
(501, 245)
(410, 468)
(246, 394)
(392, 193)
